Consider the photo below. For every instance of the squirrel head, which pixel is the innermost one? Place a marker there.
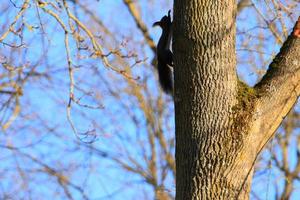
(165, 22)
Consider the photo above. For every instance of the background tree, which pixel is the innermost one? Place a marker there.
(82, 114)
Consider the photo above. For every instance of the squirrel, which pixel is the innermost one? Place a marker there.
(164, 54)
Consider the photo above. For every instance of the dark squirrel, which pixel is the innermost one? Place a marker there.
(164, 54)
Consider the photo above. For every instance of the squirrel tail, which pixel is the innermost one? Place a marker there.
(165, 77)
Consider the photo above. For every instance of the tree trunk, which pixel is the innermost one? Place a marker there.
(219, 129)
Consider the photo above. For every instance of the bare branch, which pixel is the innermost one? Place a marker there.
(22, 10)
(280, 87)
(140, 24)
(243, 4)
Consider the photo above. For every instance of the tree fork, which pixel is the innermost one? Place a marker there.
(221, 123)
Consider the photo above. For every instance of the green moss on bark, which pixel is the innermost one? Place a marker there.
(246, 96)
(244, 108)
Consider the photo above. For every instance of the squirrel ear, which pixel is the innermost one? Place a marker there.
(169, 13)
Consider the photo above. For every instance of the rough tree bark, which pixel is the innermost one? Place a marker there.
(221, 123)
